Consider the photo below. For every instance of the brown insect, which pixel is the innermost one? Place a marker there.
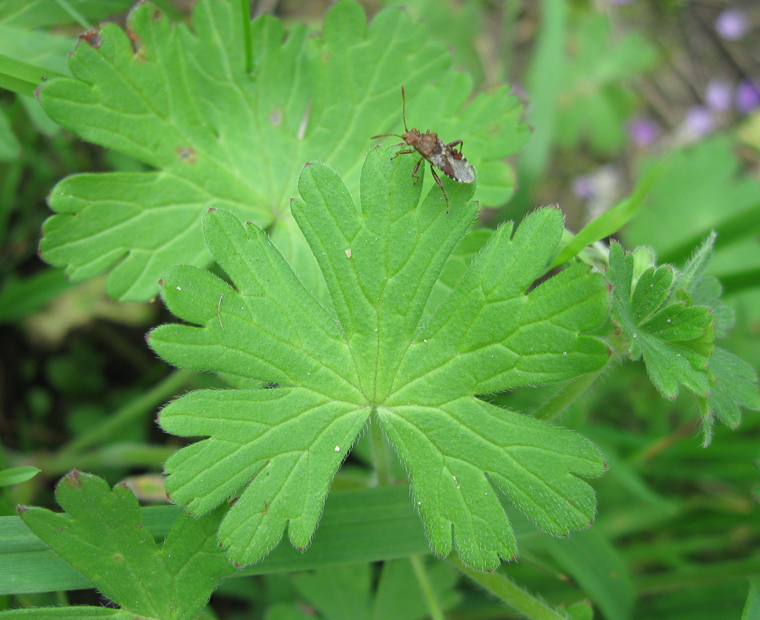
(435, 151)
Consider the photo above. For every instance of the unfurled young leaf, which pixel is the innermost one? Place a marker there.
(226, 115)
(375, 357)
(674, 336)
(102, 536)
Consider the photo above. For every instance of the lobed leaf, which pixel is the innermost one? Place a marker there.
(373, 354)
(102, 536)
(217, 132)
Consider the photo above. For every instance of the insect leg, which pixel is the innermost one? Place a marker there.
(402, 153)
(437, 180)
(416, 168)
(455, 153)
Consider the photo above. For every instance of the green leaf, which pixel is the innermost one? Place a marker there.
(218, 133)
(705, 290)
(674, 337)
(612, 220)
(734, 387)
(377, 356)
(103, 537)
(17, 475)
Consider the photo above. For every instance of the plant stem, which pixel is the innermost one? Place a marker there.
(129, 413)
(112, 455)
(426, 587)
(514, 596)
(380, 456)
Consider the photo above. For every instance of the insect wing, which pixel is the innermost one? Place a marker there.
(456, 167)
(463, 172)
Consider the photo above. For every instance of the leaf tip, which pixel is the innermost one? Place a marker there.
(73, 479)
(92, 38)
(22, 509)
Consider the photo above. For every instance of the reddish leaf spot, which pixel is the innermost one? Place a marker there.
(187, 154)
(211, 210)
(590, 523)
(22, 509)
(117, 557)
(92, 38)
(160, 281)
(308, 164)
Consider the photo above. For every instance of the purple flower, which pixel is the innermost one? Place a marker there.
(699, 121)
(719, 95)
(583, 187)
(747, 96)
(643, 131)
(732, 24)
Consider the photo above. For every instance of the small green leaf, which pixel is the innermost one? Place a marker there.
(217, 134)
(103, 537)
(674, 337)
(734, 387)
(17, 475)
(376, 355)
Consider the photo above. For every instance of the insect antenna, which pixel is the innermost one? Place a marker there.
(403, 116)
(403, 107)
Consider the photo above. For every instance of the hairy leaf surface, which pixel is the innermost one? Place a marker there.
(375, 354)
(226, 115)
(101, 535)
